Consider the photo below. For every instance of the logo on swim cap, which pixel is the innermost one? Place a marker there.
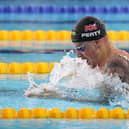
(90, 27)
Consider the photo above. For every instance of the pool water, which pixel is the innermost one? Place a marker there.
(14, 88)
(66, 2)
(64, 124)
(57, 22)
(32, 57)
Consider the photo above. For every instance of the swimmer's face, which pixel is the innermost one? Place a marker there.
(89, 51)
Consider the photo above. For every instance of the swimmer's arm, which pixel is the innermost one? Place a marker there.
(58, 95)
(46, 93)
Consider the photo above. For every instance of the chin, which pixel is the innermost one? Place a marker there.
(83, 58)
(92, 64)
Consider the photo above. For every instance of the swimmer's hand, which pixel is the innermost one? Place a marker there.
(50, 92)
(46, 93)
(42, 91)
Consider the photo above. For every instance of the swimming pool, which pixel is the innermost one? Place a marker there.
(12, 86)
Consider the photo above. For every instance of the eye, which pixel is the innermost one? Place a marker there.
(81, 48)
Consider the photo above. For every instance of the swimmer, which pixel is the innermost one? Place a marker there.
(93, 44)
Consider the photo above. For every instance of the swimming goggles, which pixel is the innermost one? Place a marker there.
(81, 47)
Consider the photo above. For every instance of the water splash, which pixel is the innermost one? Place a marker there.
(73, 78)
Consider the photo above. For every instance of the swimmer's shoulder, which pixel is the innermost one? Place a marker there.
(122, 53)
(118, 60)
(118, 56)
(119, 64)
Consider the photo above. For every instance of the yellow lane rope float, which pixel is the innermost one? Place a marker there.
(23, 68)
(70, 113)
(41, 35)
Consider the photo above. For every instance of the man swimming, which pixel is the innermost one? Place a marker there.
(93, 44)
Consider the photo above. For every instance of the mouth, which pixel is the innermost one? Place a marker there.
(86, 58)
(89, 61)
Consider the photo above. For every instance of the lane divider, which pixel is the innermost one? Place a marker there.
(23, 68)
(35, 35)
(63, 9)
(51, 35)
(70, 113)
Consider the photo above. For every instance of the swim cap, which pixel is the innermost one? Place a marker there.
(87, 29)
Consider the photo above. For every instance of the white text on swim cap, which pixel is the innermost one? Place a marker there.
(91, 34)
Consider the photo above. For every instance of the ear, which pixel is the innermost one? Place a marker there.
(99, 43)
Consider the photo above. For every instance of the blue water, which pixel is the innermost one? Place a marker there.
(66, 2)
(54, 21)
(32, 57)
(14, 88)
(64, 124)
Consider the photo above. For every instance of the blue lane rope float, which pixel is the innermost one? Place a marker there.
(64, 9)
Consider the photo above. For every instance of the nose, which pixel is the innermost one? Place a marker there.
(79, 53)
(82, 55)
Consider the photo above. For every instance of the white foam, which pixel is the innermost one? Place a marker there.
(75, 73)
